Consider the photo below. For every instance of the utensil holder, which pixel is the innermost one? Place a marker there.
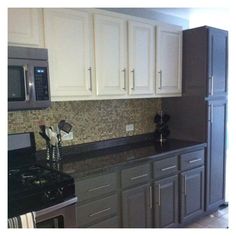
(53, 153)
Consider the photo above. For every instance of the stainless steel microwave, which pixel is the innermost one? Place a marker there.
(28, 78)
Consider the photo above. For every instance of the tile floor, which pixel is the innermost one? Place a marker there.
(218, 219)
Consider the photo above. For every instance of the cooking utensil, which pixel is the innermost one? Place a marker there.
(66, 127)
(53, 137)
(44, 136)
(61, 124)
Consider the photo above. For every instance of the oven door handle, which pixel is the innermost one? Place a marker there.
(55, 207)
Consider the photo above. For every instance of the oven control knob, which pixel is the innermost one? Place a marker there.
(48, 195)
(60, 191)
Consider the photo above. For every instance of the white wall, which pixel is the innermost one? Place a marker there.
(215, 17)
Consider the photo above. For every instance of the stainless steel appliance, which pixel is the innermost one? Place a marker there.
(34, 188)
(28, 78)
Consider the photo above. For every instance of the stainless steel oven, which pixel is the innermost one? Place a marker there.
(62, 215)
(28, 78)
(37, 188)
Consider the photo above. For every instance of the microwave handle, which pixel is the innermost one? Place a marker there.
(25, 68)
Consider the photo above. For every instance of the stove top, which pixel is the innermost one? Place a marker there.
(34, 187)
(35, 177)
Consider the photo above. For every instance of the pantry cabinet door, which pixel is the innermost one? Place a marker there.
(141, 58)
(67, 37)
(25, 27)
(110, 55)
(169, 61)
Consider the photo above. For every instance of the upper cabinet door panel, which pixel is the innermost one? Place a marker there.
(169, 60)
(110, 55)
(24, 27)
(218, 50)
(141, 58)
(68, 42)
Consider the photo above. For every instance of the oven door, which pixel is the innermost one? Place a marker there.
(62, 215)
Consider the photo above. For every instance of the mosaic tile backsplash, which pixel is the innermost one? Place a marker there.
(92, 120)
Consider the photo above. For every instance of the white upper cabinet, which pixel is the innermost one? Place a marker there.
(141, 58)
(25, 27)
(110, 55)
(169, 61)
(97, 54)
(68, 39)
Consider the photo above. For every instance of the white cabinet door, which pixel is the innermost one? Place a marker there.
(110, 55)
(24, 27)
(169, 61)
(67, 37)
(141, 58)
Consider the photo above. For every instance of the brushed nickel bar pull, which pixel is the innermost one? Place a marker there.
(150, 196)
(159, 195)
(98, 188)
(212, 85)
(133, 71)
(160, 81)
(212, 112)
(124, 70)
(90, 78)
(209, 113)
(194, 160)
(185, 186)
(168, 168)
(138, 177)
(26, 83)
(99, 212)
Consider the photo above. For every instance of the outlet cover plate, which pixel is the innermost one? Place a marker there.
(129, 127)
(66, 137)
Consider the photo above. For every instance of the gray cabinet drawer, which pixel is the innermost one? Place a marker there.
(135, 175)
(96, 186)
(96, 210)
(165, 167)
(112, 222)
(191, 159)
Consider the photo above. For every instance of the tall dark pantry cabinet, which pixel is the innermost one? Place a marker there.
(200, 114)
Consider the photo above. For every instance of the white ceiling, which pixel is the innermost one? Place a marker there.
(186, 13)
(179, 12)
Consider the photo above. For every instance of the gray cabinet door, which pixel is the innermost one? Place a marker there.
(166, 202)
(137, 207)
(192, 194)
(216, 154)
(217, 61)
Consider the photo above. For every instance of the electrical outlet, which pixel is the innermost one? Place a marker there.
(66, 137)
(129, 127)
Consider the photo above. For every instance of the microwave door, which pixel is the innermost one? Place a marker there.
(17, 83)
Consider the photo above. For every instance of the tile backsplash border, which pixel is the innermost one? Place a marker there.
(92, 120)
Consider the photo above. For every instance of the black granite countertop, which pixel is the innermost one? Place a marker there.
(82, 161)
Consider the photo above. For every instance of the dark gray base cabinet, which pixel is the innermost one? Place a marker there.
(166, 202)
(192, 194)
(137, 207)
(164, 193)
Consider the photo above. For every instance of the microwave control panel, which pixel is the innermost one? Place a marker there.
(41, 83)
